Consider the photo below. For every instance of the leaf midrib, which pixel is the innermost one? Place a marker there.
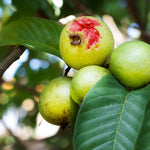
(115, 139)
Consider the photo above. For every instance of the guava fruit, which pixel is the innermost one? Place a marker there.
(85, 41)
(130, 64)
(84, 80)
(55, 102)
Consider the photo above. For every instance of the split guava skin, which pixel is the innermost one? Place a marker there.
(130, 64)
(84, 80)
(86, 41)
(54, 101)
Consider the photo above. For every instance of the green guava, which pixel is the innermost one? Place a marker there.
(130, 64)
(55, 102)
(86, 41)
(84, 80)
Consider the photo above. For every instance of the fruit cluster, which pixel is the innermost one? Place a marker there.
(86, 43)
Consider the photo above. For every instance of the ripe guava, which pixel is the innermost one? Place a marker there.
(86, 41)
(84, 80)
(130, 64)
(55, 101)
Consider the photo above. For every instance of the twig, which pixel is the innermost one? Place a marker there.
(10, 59)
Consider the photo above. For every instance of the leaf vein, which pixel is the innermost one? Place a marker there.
(115, 139)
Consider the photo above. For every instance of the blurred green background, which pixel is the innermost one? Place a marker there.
(21, 126)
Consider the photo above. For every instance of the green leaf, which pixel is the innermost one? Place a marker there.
(33, 33)
(110, 117)
(143, 142)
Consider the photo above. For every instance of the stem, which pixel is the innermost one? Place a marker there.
(67, 70)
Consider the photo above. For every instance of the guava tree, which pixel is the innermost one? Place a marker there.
(114, 118)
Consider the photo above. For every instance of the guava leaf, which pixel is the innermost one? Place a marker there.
(33, 33)
(110, 117)
(143, 142)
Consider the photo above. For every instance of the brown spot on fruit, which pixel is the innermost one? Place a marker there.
(76, 40)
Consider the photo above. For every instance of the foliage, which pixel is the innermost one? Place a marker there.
(110, 117)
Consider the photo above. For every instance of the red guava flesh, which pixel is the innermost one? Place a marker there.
(87, 25)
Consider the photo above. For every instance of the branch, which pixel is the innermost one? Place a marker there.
(15, 55)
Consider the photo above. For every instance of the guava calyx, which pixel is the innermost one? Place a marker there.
(65, 125)
(87, 26)
(76, 40)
